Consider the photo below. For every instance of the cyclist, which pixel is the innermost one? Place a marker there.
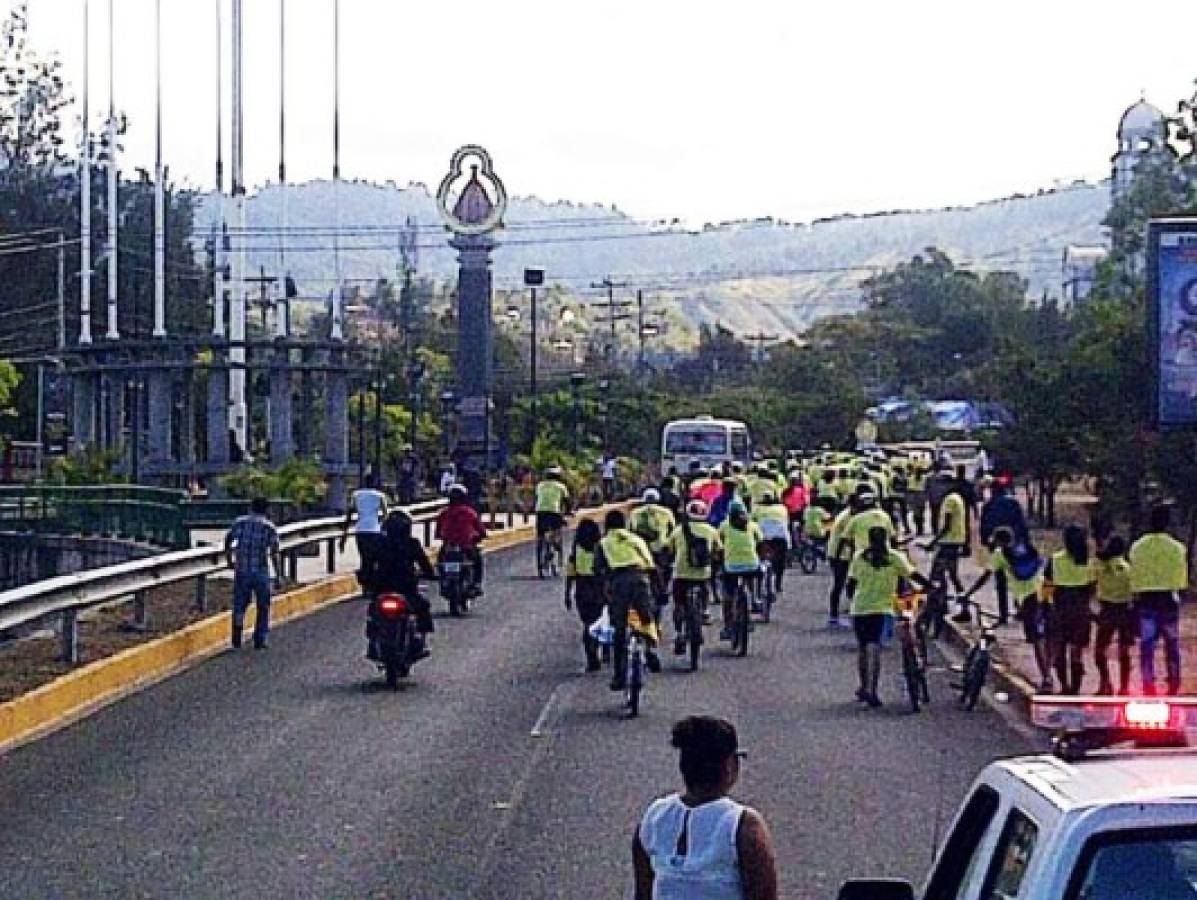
(625, 563)
(916, 492)
(774, 521)
(815, 522)
(825, 493)
(740, 537)
(868, 516)
(552, 506)
(654, 523)
(694, 544)
(1072, 575)
(459, 525)
(720, 506)
(584, 588)
(671, 495)
(1116, 616)
(1022, 568)
(873, 579)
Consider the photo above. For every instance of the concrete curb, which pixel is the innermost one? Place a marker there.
(81, 693)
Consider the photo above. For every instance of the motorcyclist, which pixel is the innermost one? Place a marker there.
(398, 568)
(625, 562)
(459, 525)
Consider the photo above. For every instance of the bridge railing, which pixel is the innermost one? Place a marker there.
(67, 596)
(130, 512)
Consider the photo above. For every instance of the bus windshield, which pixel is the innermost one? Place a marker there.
(696, 442)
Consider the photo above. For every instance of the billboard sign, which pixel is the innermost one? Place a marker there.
(1172, 291)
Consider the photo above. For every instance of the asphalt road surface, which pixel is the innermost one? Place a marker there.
(293, 773)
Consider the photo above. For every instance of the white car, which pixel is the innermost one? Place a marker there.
(1082, 824)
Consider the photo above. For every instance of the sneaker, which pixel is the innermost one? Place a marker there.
(845, 621)
(1046, 687)
(679, 645)
(593, 665)
(422, 653)
(833, 623)
(862, 695)
(259, 645)
(874, 701)
(236, 642)
(653, 662)
(616, 685)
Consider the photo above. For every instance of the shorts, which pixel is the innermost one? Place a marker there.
(868, 628)
(1071, 618)
(549, 521)
(1033, 615)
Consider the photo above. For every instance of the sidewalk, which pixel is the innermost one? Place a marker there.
(1019, 659)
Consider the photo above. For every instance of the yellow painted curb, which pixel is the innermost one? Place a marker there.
(84, 691)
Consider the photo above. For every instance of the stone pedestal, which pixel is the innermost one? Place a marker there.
(159, 388)
(336, 431)
(112, 410)
(475, 352)
(217, 417)
(281, 443)
(83, 426)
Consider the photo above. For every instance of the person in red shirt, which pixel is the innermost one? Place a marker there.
(795, 499)
(459, 525)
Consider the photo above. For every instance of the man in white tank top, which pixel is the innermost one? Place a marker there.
(700, 844)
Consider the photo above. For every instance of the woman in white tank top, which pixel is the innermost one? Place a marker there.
(699, 844)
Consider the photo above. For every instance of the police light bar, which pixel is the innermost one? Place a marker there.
(1077, 715)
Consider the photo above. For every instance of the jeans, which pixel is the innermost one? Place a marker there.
(257, 585)
(1160, 620)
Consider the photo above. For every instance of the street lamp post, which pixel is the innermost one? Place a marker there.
(534, 278)
(415, 378)
(576, 380)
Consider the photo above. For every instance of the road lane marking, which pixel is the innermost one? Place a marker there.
(542, 721)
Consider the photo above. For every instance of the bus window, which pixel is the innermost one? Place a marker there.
(696, 442)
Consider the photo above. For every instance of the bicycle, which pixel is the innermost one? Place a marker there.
(979, 658)
(767, 595)
(807, 552)
(548, 554)
(934, 611)
(741, 615)
(692, 621)
(912, 636)
(637, 664)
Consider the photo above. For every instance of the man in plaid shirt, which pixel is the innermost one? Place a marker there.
(250, 545)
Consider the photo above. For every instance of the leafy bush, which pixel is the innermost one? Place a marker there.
(298, 481)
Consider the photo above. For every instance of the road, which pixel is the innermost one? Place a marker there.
(292, 773)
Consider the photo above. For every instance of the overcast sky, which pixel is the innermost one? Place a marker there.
(702, 111)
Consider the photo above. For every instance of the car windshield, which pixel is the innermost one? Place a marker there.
(1145, 865)
(710, 442)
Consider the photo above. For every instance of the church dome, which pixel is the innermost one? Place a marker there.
(1142, 119)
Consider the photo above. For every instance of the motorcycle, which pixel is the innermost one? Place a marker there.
(456, 571)
(395, 643)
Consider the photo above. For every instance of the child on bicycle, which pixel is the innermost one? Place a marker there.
(740, 537)
(1023, 568)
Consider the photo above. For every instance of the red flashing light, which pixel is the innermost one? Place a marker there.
(1147, 714)
(392, 605)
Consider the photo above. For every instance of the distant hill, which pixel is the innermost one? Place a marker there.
(758, 276)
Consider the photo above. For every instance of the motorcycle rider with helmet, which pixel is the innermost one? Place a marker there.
(398, 567)
(459, 525)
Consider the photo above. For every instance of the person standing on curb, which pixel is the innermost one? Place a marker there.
(700, 842)
(250, 546)
(1002, 510)
(1159, 574)
(1073, 576)
(370, 504)
(1115, 617)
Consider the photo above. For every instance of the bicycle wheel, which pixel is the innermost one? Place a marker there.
(694, 627)
(635, 683)
(743, 619)
(541, 547)
(976, 670)
(768, 597)
(913, 675)
(808, 559)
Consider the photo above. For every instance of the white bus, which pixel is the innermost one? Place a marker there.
(705, 440)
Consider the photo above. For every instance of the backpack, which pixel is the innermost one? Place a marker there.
(1025, 562)
(698, 549)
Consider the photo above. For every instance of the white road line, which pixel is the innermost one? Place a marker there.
(542, 722)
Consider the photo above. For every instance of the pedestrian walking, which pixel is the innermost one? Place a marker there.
(250, 546)
(1002, 510)
(1115, 616)
(369, 505)
(699, 844)
(1072, 574)
(583, 587)
(609, 468)
(1159, 574)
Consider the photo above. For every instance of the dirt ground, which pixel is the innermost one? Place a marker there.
(30, 662)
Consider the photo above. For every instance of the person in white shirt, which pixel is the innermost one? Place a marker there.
(700, 844)
(369, 504)
(610, 469)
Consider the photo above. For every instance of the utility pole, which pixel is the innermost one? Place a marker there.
(264, 282)
(159, 187)
(113, 332)
(61, 290)
(615, 314)
(759, 341)
(85, 198)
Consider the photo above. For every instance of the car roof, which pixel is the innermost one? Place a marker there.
(1109, 777)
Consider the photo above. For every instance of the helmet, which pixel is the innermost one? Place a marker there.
(795, 478)
(696, 509)
(553, 471)
(866, 497)
(738, 467)
(651, 495)
(458, 493)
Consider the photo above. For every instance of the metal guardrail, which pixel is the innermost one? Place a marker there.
(146, 515)
(69, 595)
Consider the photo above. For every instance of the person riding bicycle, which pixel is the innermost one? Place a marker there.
(873, 579)
(654, 523)
(795, 496)
(695, 544)
(740, 537)
(719, 507)
(625, 563)
(774, 521)
(552, 506)
(815, 523)
(459, 525)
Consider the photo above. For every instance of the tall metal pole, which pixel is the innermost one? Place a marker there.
(85, 197)
(237, 314)
(281, 312)
(41, 416)
(535, 382)
(378, 389)
(159, 187)
(219, 235)
(113, 333)
(61, 289)
(337, 310)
